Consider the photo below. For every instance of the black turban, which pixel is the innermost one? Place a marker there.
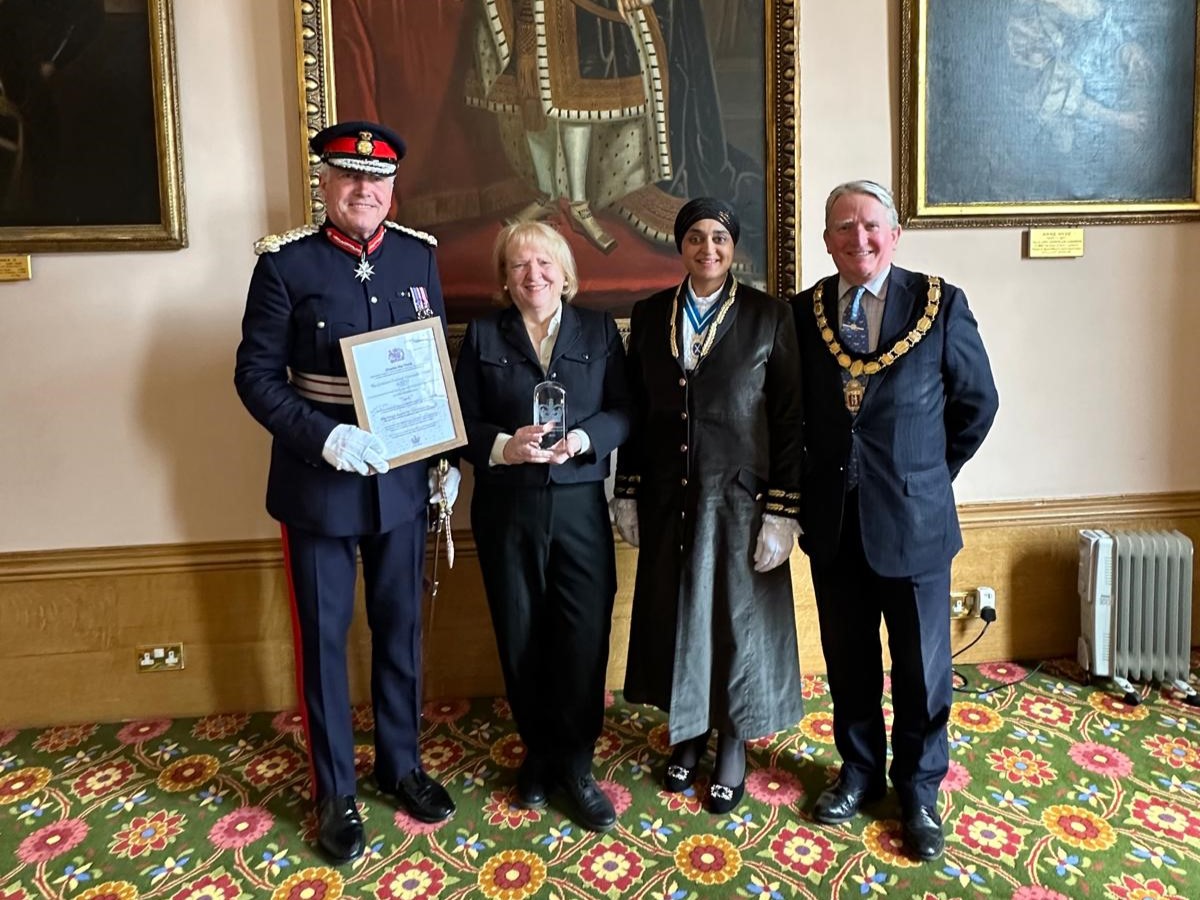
(705, 208)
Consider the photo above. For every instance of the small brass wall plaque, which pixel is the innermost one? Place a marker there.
(14, 268)
(1054, 243)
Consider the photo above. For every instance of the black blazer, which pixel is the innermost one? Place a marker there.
(920, 420)
(498, 370)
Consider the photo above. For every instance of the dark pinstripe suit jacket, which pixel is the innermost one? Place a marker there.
(921, 419)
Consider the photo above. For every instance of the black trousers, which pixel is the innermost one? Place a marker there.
(321, 575)
(851, 598)
(549, 570)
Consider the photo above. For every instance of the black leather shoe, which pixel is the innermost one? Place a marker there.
(592, 808)
(423, 798)
(923, 833)
(721, 798)
(531, 785)
(340, 829)
(840, 802)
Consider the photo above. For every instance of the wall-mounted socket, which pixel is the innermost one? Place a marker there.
(971, 604)
(962, 604)
(160, 658)
(985, 599)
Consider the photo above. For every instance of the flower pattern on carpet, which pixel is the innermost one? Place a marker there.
(1055, 790)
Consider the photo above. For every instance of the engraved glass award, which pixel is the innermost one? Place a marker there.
(550, 405)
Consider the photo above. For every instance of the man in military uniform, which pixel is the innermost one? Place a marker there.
(330, 485)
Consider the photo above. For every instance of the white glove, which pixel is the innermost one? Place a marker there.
(775, 540)
(350, 449)
(624, 513)
(450, 482)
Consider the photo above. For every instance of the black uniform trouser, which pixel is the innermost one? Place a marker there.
(322, 575)
(851, 598)
(549, 570)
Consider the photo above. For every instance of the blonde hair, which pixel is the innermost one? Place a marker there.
(538, 234)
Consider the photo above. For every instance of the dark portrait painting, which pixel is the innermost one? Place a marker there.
(597, 119)
(80, 109)
(1035, 103)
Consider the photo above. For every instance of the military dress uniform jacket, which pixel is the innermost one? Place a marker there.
(498, 371)
(921, 418)
(304, 297)
(712, 641)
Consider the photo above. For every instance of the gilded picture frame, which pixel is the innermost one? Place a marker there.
(1049, 112)
(431, 75)
(92, 79)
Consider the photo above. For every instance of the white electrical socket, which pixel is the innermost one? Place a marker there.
(985, 599)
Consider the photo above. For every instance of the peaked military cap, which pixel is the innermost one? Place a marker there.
(361, 146)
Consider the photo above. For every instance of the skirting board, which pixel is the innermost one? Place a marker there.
(72, 619)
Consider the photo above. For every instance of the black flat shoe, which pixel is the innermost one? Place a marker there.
(840, 802)
(923, 833)
(422, 797)
(677, 778)
(340, 829)
(722, 798)
(591, 807)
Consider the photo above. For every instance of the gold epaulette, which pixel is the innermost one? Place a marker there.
(419, 235)
(272, 242)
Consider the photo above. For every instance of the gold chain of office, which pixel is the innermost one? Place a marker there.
(869, 365)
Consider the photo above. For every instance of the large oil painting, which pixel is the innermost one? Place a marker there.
(90, 152)
(600, 117)
(1049, 112)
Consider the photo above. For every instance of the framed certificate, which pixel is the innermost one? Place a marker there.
(403, 389)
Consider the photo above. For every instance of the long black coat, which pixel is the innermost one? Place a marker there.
(712, 641)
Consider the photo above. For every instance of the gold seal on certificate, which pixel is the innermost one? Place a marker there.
(403, 389)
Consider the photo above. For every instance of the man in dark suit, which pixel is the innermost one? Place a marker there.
(898, 395)
(330, 485)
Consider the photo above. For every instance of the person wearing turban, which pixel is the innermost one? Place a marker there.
(708, 488)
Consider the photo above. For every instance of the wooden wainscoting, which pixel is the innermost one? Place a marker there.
(71, 619)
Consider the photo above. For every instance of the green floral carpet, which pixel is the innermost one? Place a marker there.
(1055, 790)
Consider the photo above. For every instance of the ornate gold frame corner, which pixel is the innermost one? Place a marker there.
(318, 107)
(170, 232)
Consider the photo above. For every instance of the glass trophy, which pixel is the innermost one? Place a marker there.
(550, 405)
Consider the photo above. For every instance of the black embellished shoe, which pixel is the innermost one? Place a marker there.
(678, 778)
(340, 829)
(722, 798)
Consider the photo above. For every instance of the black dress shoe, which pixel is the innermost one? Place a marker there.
(531, 785)
(592, 808)
(721, 798)
(840, 802)
(340, 829)
(423, 798)
(923, 833)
